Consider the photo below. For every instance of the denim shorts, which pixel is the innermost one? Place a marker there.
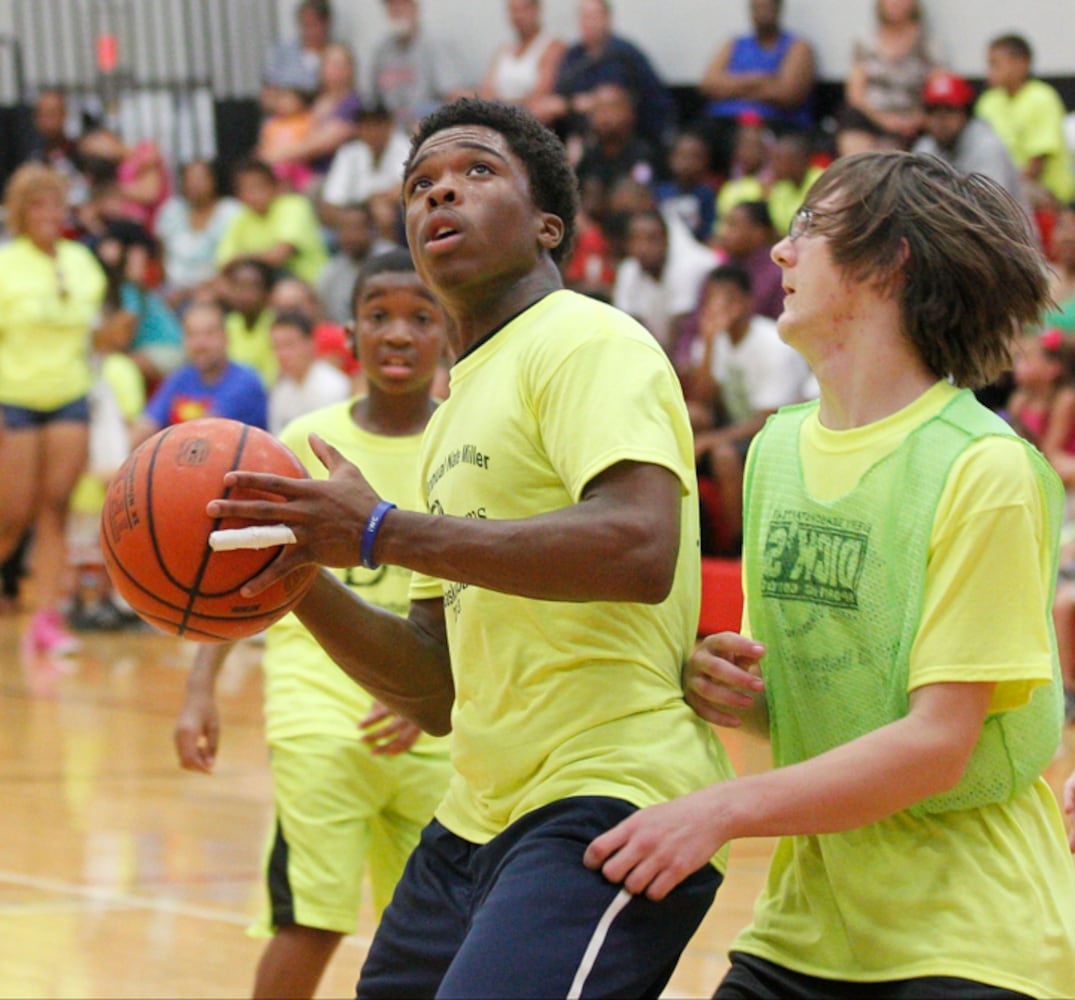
(21, 418)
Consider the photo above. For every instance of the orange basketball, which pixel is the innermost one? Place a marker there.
(155, 532)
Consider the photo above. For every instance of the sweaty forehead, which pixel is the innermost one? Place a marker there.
(478, 137)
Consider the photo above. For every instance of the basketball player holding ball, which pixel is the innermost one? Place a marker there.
(353, 784)
(555, 596)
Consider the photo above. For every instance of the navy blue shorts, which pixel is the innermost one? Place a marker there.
(21, 418)
(753, 978)
(521, 916)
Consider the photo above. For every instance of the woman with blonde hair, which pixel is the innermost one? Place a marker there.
(51, 290)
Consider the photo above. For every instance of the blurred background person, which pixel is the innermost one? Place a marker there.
(51, 290)
(889, 70)
(138, 173)
(1028, 115)
(367, 169)
(136, 320)
(1062, 279)
(306, 382)
(275, 226)
(190, 226)
(298, 60)
(50, 142)
(329, 120)
(660, 280)
(951, 132)
(413, 69)
(207, 384)
(768, 74)
(601, 56)
(745, 236)
(690, 190)
(740, 373)
(524, 70)
(357, 238)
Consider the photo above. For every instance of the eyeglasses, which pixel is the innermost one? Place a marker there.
(802, 222)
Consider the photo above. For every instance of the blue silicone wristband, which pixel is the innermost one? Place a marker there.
(369, 536)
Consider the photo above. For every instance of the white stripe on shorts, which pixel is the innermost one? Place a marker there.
(623, 897)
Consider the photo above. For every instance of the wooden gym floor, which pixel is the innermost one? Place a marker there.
(122, 876)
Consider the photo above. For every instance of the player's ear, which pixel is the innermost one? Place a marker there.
(550, 230)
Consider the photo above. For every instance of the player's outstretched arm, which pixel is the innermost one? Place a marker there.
(618, 543)
(197, 730)
(402, 662)
(870, 778)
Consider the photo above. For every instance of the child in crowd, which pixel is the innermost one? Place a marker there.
(287, 125)
(690, 191)
(305, 382)
(248, 286)
(741, 372)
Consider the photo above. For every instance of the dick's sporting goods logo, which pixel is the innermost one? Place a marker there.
(814, 559)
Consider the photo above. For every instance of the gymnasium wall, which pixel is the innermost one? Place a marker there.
(681, 36)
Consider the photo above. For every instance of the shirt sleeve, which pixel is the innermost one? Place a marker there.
(986, 610)
(627, 397)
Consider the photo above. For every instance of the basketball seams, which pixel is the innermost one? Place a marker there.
(166, 484)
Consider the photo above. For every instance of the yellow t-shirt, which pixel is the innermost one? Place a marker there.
(786, 198)
(1031, 124)
(985, 894)
(305, 692)
(47, 310)
(556, 699)
(737, 190)
(253, 345)
(290, 219)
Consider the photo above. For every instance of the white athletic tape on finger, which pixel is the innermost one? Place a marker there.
(257, 536)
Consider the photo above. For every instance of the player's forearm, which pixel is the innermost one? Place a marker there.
(854, 785)
(208, 661)
(402, 664)
(600, 549)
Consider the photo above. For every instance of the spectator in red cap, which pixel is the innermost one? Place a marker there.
(968, 143)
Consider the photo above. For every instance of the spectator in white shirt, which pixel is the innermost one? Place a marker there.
(369, 168)
(305, 381)
(741, 373)
(661, 278)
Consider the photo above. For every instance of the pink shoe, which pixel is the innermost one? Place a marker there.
(48, 635)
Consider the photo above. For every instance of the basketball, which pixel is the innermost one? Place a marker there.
(155, 532)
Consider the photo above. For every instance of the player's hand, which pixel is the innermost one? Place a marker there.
(388, 734)
(718, 683)
(327, 516)
(655, 849)
(1069, 808)
(197, 732)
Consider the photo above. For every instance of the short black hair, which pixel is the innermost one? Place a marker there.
(757, 213)
(252, 165)
(321, 9)
(398, 260)
(553, 185)
(266, 272)
(1015, 45)
(296, 318)
(731, 274)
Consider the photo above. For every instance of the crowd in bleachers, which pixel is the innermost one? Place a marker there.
(224, 289)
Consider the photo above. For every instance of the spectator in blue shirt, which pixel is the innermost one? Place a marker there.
(208, 385)
(603, 57)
